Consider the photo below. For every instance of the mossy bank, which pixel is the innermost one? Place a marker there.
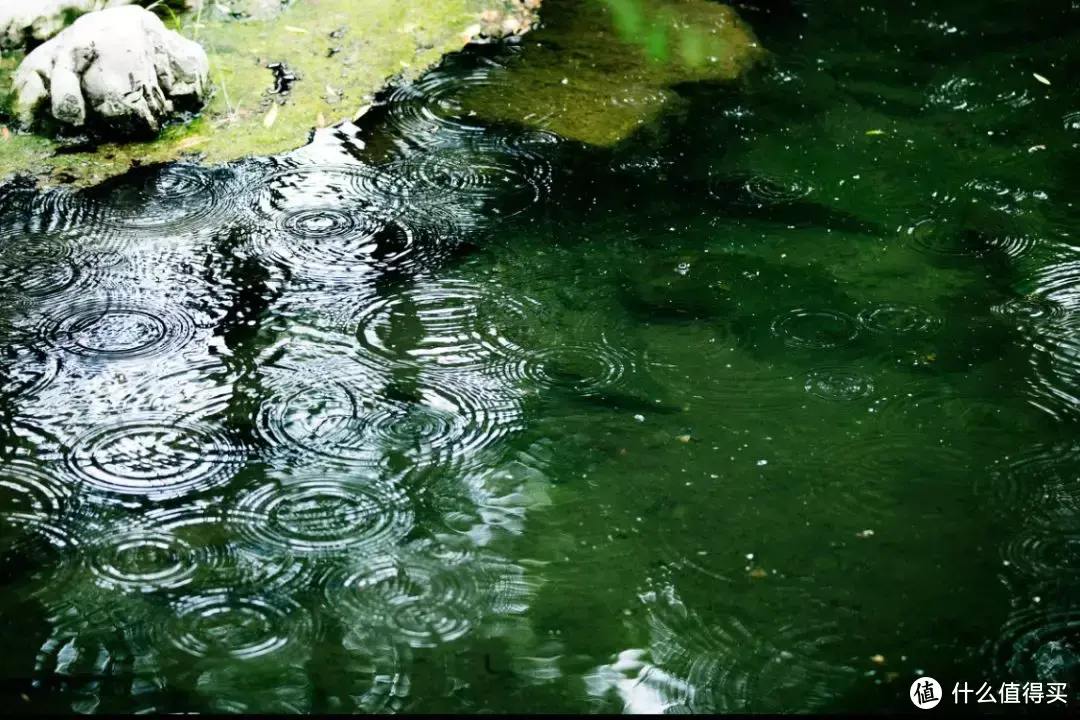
(341, 53)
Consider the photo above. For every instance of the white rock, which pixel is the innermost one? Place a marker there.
(23, 21)
(117, 69)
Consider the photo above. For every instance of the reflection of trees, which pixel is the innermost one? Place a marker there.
(183, 603)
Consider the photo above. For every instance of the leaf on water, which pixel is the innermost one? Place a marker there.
(1041, 79)
(270, 116)
(758, 573)
(875, 132)
(294, 29)
(361, 112)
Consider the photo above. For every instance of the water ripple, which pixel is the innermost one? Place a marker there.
(238, 627)
(1044, 553)
(1033, 309)
(1043, 484)
(843, 384)
(346, 420)
(144, 560)
(936, 237)
(1055, 363)
(36, 270)
(894, 318)
(33, 500)
(210, 530)
(479, 185)
(425, 599)
(815, 329)
(726, 667)
(873, 474)
(428, 109)
(758, 189)
(156, 457)
(169, 198)
(451, 323)
(1039, 642)
(27, 370)
(324, 516)
(119, 329)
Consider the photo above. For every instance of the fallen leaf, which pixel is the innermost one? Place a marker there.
(270, 116)
(5, 133)
(1041, 79)
(865, 534)
(361, 112)
(878, 659)
(470, 32)
(223, 8)
(320, 120)
(758, 573)
(294, 29)
(1033, 148)
(684, 438)
(188, 143)
(875, 132)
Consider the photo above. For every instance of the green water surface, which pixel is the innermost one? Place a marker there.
(770, 407)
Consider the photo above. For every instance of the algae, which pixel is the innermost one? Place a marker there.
(342, 52)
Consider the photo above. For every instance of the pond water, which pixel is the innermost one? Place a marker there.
(770, 407)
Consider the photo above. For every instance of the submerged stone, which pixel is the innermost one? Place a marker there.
(599, 70)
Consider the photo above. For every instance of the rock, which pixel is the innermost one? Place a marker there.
(35, 21)
(119, 69)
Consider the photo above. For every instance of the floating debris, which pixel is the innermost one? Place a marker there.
(1041, 79)
(271, 116)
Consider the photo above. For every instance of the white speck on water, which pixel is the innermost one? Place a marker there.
(762, 462)
(639, 418)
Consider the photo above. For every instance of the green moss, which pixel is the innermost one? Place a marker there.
(383, 39)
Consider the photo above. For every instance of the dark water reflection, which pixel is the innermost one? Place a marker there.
(756, 411)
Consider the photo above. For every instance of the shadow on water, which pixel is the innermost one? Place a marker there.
(767, 407)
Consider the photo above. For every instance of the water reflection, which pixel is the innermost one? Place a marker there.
(228, 494)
